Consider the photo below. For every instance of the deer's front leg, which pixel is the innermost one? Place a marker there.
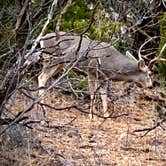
(103, 94)
(93, 85)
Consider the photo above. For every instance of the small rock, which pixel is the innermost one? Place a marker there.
(72, 132)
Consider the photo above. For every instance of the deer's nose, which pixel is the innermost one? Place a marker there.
(149, 84)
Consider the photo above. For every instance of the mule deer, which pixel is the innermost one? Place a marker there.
(99, 60)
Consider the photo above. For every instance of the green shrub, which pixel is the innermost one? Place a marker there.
(162, 65)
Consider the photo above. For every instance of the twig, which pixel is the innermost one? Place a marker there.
(22, 12)
(19, 116)
(39, 10)
(62, 126)
(49, 18)
(154, 98)
(57, 29)
(71, 87)
(86, 30)
(151, 128)
(7, 53)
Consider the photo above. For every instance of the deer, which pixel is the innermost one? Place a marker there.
(99, 60)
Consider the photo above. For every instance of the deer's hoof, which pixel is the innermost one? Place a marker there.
(106, 114)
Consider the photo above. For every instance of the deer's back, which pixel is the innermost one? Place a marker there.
(93, 54)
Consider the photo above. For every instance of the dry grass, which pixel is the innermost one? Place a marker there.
(74, 140)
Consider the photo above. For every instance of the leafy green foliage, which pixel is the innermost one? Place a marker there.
(8, 12)
(162, 65)
(72, 74)
(83, 81)
(77, 18)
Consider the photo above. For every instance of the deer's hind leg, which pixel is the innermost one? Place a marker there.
(43, 78)
(45, 75)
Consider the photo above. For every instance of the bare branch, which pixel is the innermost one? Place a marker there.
(49, 18)
(149, 129)
(164, 4)
(91, 22)
(57, 29)
(22, 12)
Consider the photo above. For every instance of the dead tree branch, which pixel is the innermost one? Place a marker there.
(90, 23)
(149, 129)
(49, 18)
(22, 12)
(57, 29)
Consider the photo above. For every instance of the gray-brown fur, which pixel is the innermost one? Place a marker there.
(99, 60)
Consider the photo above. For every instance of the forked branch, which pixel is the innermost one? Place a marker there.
(57, 29)
(49, 18)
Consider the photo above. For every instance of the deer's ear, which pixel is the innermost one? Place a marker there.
(141, 65)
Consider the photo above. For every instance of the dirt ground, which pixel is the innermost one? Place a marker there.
(71, 138)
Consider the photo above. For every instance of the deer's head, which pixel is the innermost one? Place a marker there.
(142, 76)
